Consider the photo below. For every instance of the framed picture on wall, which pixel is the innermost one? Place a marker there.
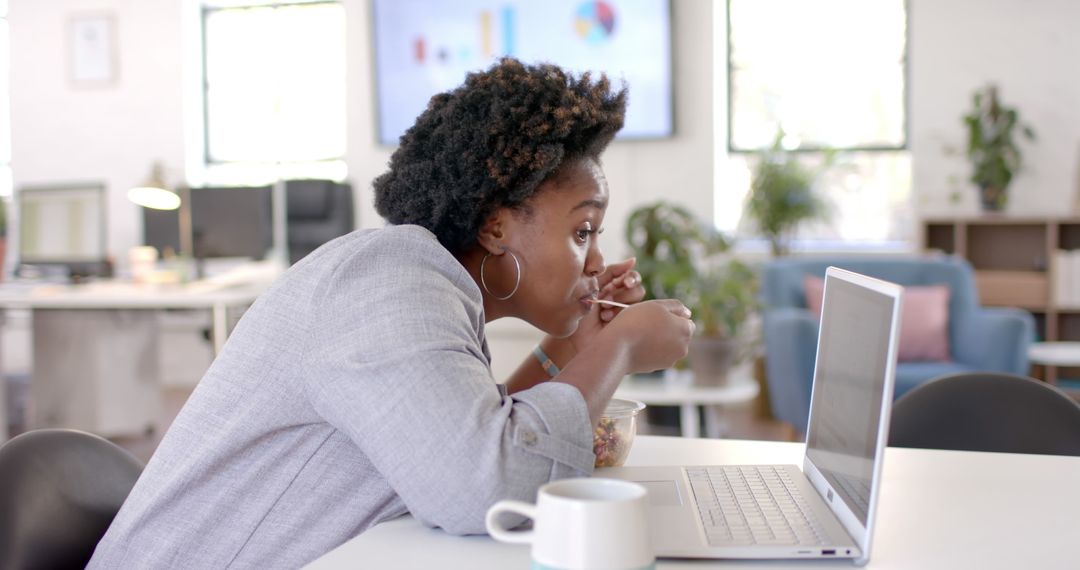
(92, 49)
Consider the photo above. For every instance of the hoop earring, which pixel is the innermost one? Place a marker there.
(517, 280)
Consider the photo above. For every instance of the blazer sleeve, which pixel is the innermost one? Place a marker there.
(397, 362)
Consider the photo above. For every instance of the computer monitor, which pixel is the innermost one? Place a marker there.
(62, 227)
(231, 221)
(225, 222)
(161, 230)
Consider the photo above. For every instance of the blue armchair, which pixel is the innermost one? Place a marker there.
(980, 339)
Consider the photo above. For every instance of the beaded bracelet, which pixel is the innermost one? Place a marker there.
(545, 362)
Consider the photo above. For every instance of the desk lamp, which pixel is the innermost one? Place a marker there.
(154, 193)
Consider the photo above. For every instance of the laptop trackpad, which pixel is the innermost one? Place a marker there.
(662, 493)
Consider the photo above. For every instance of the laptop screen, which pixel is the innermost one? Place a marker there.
(852, 366)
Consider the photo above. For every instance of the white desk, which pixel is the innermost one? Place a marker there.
(677, 389)
(96, 347)
(939, 509)
(215, 296)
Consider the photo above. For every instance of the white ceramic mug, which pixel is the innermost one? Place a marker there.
(582, 524)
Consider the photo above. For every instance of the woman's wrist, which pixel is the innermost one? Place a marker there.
(559, 351)
(545, 361)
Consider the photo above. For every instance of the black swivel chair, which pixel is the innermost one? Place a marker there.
(987, 412)
(59, 492)
(317, 211)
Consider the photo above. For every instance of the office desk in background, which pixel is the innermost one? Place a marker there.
(102, 351)
(938, 509)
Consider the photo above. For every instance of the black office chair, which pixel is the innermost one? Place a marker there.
(59, 492)
(317, 211)
(987, 412)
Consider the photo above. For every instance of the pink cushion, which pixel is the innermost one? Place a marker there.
(924, 319)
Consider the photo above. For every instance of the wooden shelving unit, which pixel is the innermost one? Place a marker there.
(1012, 262)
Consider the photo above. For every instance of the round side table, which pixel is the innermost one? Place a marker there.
(676, 388)
(1055, 353)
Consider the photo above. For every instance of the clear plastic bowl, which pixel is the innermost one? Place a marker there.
(614, 433)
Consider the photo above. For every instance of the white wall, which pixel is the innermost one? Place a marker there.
(1030, 50)
(61, 132)
(64, 133)
(679, 168)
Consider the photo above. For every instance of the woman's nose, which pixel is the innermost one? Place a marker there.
(595, 264)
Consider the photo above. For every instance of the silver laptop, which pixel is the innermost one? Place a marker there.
(826, 510)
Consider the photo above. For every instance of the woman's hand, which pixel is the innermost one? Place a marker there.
(619, 282)
(657, 333)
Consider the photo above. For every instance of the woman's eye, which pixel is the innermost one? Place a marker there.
(584, 233)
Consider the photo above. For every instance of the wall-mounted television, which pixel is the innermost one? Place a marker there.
(424, 47)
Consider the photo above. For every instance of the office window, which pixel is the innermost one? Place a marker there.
(829, 74)
(274, 83)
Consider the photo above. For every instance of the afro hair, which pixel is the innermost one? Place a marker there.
(491, 142)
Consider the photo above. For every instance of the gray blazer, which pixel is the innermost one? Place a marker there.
(357, 388)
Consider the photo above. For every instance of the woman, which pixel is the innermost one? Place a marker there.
(358, 387)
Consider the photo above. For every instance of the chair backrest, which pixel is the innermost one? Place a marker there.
(983, 411)
(782, 279)
(59, 492)
(317, 211)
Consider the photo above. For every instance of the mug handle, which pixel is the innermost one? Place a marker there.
(503, 534)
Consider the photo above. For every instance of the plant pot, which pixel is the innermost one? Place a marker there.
(712, 358)
(992, 199)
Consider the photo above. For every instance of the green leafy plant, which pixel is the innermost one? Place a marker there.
(782, 196)
(680, 257)
(3, 218)
(666, 239)
(724, 298)
(992, 145)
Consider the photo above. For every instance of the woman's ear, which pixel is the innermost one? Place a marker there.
(492, 236)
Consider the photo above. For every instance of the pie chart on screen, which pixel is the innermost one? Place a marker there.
(595, 21)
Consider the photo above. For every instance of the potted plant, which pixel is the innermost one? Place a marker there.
(782, 196)
(680, 257)
(722, 299)
(666, 238)
(992, 146)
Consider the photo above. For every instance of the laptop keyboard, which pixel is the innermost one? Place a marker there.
(752, 504)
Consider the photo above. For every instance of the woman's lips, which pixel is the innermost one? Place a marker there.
(587, 300)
